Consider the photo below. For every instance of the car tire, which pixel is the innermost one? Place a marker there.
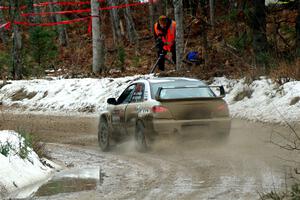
(103, 135)
(141, 137)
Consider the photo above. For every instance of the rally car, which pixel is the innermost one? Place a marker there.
(148, 108)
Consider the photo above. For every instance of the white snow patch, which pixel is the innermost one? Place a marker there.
(64, 95)
(268, 101)
(16, 172)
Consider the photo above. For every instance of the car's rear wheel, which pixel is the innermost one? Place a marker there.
(141, 137)
(103, 135)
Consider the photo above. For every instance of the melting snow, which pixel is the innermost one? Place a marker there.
(265, 100)
(16, 172)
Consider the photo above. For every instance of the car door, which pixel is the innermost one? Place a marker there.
(132, 109)
(118, 112)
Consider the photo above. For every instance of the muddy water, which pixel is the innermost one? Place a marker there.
(66, 185)
(246, 164)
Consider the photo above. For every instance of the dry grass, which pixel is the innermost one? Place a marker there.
(22, 94)
(286, 72)
(39, 148)
(243, 94)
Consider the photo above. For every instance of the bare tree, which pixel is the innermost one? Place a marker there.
(203, 26)
(298, 30)
(115, 20)
(212, 12)
(131, 31)
(178, 9)
(33, 9)
(154, 14)
(61, 29)
(30, 9)
(17, 40)
(3, 32)
(193, 6)
(98, 41)
(258, 26)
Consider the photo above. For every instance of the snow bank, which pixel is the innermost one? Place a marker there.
(16, 172)
(264, 100)
(83, 95)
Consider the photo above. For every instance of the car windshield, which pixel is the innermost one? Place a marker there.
(181, 89)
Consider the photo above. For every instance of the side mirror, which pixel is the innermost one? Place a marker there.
(222, 91)
(112, 101)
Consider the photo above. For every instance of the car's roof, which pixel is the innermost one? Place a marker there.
(175, 79)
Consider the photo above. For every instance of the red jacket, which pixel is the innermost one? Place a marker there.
(168, 36)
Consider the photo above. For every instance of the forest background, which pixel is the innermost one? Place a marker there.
(234, 38)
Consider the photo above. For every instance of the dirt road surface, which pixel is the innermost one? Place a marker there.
(246, 165)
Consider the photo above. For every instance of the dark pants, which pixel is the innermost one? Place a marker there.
(161, 54)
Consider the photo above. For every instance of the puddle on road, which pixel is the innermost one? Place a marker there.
(66, 185)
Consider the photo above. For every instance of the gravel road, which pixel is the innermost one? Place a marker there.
(240, 168)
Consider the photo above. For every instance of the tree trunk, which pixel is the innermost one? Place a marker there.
(30, 9)
(298, 31)
(203, 30)
(154, 14)
(98, 44)
(258, 26)
(193, 7)
(232, 5)
(17, 41)
(179, 32)
(212, 12)
(3, 32)
(61, 29)
(115, 20)
(131, 31)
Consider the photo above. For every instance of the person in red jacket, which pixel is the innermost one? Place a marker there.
(165, 34)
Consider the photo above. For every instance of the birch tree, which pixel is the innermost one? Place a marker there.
(17, 40)
(98, 42)
(178, 9)
(61, 29)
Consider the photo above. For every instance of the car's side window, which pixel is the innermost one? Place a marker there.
(138, 95)
(126, 95)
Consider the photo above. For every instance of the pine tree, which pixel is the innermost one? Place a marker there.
(43, 48)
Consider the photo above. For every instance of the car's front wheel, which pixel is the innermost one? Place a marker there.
(141, 137)
(103, 134)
